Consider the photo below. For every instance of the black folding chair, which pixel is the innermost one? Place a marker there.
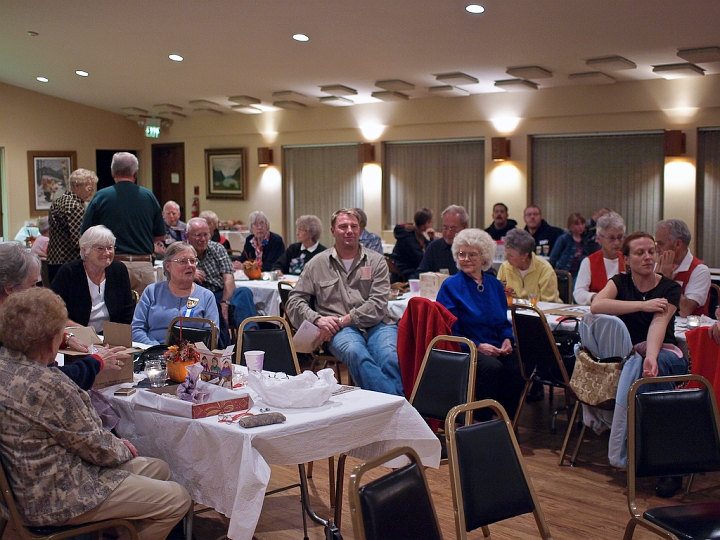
(200, 329)
(488, 478)
(397, 506)
(565, 285)
(537, 350)
(673, 433)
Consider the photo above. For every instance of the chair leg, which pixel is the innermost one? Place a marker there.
(687, 489)
(310, 469)
(188, 521)
(331, 480)
(630, 529)
(339, 489)
(573, 459)
(528, 384)
(571, 424)
(486, 531)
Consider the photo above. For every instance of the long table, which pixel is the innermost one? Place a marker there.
(265, 294)
(228, 468)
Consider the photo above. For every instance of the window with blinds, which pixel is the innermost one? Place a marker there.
(433, 174)
(582, 173)
(708, 196)
(319, 180)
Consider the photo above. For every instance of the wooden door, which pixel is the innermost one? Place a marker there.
(168, 174)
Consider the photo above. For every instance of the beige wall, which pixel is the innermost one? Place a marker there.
(34, 121)
(646, 105)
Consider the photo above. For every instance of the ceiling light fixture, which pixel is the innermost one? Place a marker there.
(474, 8)
(390, 96)
(207, 111)
(244, 100)
(529, 72)
(204, 102)
(133, 110)
(336, 101)
(610, 63)
(301, 37)
(167, 107)
(678, 71)
(176, 58)
(702, 55)
(81, 73)
(516, 85)
(289, 95)
(43, 79)
(32, 34)
(456, 78)
(591, 77)
(246, 109)
(448, 91)
(338, 90)
(289, 105)
(174, 113)
(394, 85)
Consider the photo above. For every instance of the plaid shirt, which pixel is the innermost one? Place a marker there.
(66, 215)
(215, 263)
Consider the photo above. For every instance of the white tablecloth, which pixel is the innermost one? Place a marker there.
(227, 467)
(265, 294)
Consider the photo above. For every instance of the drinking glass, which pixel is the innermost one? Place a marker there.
(156, 373)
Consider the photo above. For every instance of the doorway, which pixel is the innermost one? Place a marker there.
(103, 159)
(168, 174)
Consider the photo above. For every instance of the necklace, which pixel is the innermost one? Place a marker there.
(642, 294)
(481, 287)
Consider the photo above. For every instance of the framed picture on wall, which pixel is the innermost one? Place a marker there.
(48, 174)
(226, 173)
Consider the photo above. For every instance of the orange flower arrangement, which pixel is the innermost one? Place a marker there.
(252, 270)
(178, 357)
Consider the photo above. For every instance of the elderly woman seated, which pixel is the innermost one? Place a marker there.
(525, 273)
(213, 222)
(308, 230)
(477, 299)
(262, 246)
(62, 466)
(20, 271)
(95, 288)
(179, 296)
(598, 268)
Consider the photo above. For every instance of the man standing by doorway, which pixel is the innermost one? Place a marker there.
(133, 214)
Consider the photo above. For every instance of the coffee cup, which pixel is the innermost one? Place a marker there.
(414, 285)
(254, 360)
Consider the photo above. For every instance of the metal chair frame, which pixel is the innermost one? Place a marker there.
(213, 328)
(354, 488)
(451, 429)
(636, 517)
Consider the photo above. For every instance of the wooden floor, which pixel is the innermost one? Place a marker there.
(583, 502)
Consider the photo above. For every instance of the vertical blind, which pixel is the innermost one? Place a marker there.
(708, 196)
(319, 181)
(583, 173)
(433, 174)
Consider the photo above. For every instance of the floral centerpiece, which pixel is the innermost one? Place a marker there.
(252, 269)
(178, 357)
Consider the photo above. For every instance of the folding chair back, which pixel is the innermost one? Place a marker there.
(284, 289)
(397, 506)
(489, 480)
(673, 433)
(276, 342)
(565, 285)
(192, 329)
(445, 379)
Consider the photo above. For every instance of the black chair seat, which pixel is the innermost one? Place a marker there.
(689, 521)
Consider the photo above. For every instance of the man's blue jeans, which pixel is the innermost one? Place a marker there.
(373, 364)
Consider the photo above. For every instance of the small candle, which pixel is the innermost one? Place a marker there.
(693, 321)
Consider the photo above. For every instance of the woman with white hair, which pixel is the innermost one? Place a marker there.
(478, 301)
(308, 230)
(66, 215)
(262, 246)
(213, 222)
(96, 288)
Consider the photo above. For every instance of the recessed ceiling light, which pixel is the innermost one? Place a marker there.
(244, 100)
(529, 72)
(591, 77)
(703, 55)
(516, 85)
(338, 90)
(390, 96)
(289, 105)
(336, 101)
(456, 78)
(176, 58)
(474, 8)
(610, 63)
(448, 91)
(246, 109)
(677, 71)
(43, 79)
(167, 107)
(394, 85)
(300, 37)
(32, 34)
(81, 73)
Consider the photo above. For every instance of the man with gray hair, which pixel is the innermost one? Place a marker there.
(672, 239)
(133, 214)
(174, 227)
(214, 271)
(438, 255)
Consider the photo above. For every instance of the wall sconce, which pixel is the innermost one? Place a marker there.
(500, 148)
(674, 144)
(265, 156)
(366, 153)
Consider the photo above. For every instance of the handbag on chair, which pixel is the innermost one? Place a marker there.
(594, 380)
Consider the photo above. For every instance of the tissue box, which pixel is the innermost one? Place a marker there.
(430, 284)
(222, 401)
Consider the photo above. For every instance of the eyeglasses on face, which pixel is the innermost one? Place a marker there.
(200, 235)
(472, 255)
(450, 229)
(619, 238)
(191, 260)
(103, 249)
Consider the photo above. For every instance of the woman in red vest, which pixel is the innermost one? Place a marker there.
(598, 268)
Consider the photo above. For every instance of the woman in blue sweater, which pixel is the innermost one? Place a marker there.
(478, 300)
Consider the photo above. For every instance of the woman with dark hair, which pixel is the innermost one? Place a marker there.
(572, 247)
(411, 242)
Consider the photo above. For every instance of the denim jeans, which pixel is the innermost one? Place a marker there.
(373, 364)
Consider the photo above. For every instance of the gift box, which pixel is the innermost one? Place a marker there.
(217, 365)
(222, 401)
(430, 284)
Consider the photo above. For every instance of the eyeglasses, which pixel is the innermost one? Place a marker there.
(103, 249)
(192, 260)
(450, 229)
(200, 235)
(613, 238)
(473, 256)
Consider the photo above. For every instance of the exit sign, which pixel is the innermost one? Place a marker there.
(152, 132)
